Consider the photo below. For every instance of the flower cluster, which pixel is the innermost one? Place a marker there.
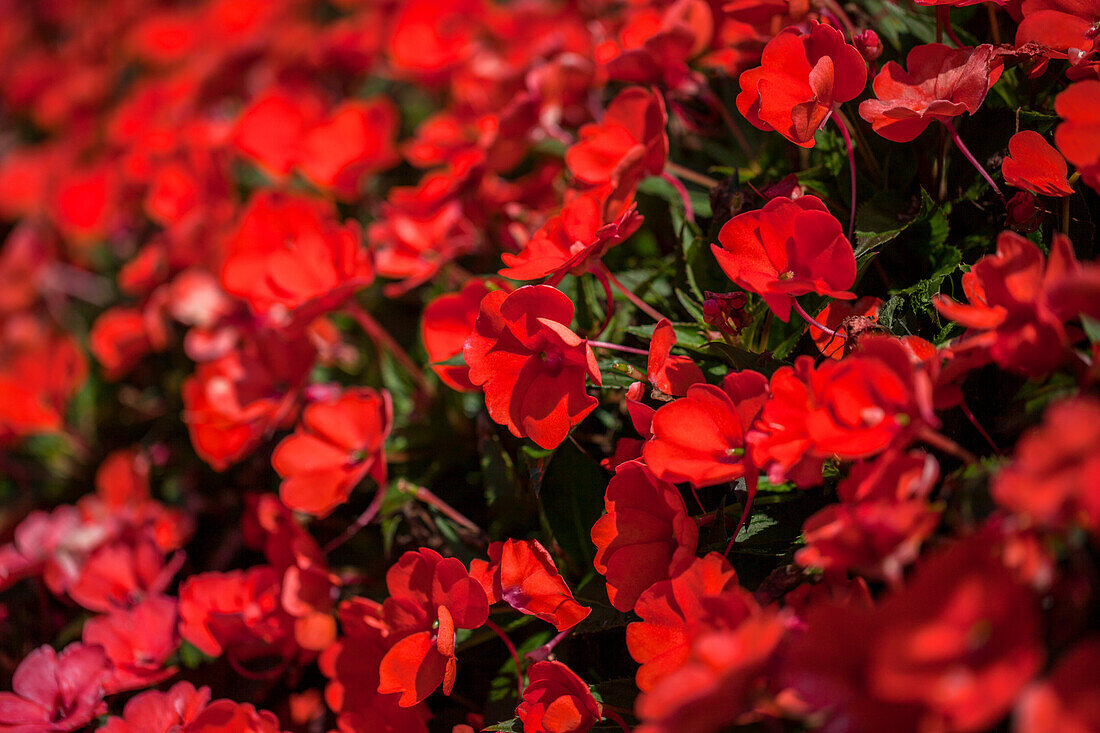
(675, 366)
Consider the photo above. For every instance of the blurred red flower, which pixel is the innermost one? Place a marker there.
(629, 144)
(1078, 136)
(556, 700)
(55, 692)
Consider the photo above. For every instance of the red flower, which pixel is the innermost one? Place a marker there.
(430, 597)
(849, 320)
(270, 129)
(801, 78)
(122, 336)
(1063, 26)
(357, 138)
(655, 44)
(138, 642)
(1078, 136)
(531, 366)
(629, 144)
(237, 613)
(674, 613)
(288, 252)
(338, 441)
(853, 408)
(1066, 701)
(1009, 310)
(522, 574)
(232, 403)
(556, 700)
(55, 692)
(941, 83)
(227, 716)
(672, 375)
(444, 327)
(645, 537)
(786, 249)
(574, 240)
(700, 438)
(1033, 164)
(160, 712)
(1052, 480)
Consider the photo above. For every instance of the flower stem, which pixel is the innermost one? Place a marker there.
(811, 320)
(970, 156)
(977, 425)
(617, 347)
(431, 499)
(638, 302)
(851, 169)
(364, 519)
(544, 651)
(688, 174)
(685, 197)
(612, 715)
(511, 650)
(382, 337)
(948, 446)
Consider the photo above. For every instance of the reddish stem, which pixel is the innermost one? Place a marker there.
(685, 197)
(364, 519)
(609, 299)
(811, 320)
(851, 168)
(612, 715)
(970, 156)
(544, 651)
(638, 302)
(429, 497)
(948, 446)
(977, 425)
(382, 337)
(617, 347)
(512, 651)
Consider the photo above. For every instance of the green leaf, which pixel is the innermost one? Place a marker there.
(511, 726)
(1092, 328)
(571, 495)
(756, 524)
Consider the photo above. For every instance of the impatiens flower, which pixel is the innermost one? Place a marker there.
(1009, 310)
(941, 83)
(675, 612)
(445, 325)
(700, 437)
(355, 139)
(1066, 700)
(289, 252)
(55, 692)
(951, 650)
(853, 408)
(227, 716)
(531, 584)
(629, 144)
(718, 683)
(160, 712)
(645, 537)
(670, 374)
(556, 700)
(1078, 136)
(574, 240)
(430, 597)
(338, 442)
(1053, 480)
(786, 249)
(138, 642)
(1067, 30)
(531, 366)
(1034, 165)
(850, 320)
(801, 77)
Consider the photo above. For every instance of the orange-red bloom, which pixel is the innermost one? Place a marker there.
(445, 325)
(531, 366)
(786, 249)
(1078, 137)
(1034, 165)
(338, 442)
(1066, 701)
(629, 144)
(941, 83)
(556, 700)
(801, 77)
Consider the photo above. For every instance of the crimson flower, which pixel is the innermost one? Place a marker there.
(55, 692)
(1034, 165)
(645, 537)
(556, 700)
(445, 325)
(1078, 136)
(629, 144)
(850, 320)
(430, 597)
(574, 240)
(1051, 479)
(287, 252)
(700, 438)
(786, 249)
(137, 641)
(853, 408)
(160, 712)
(673, 375)
(1066, 699)
(941, 83)
(338, 441)
(801, 77)
(523, 574)
(530, 365)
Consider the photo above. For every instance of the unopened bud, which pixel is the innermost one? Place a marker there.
(868, 44)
